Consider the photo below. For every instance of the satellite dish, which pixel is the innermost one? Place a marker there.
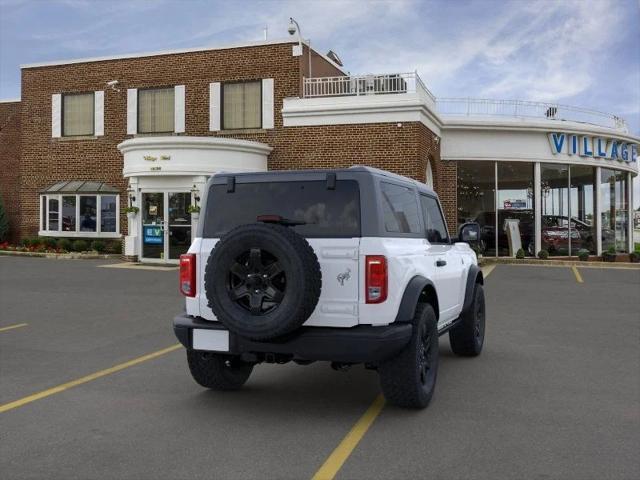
(334, 57)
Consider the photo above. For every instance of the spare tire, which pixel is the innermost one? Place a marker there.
(262, 280)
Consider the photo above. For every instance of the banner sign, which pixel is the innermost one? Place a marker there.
(153, 235)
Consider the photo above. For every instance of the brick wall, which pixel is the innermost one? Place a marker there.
(47, 160)
(10, 163)
(403, 150)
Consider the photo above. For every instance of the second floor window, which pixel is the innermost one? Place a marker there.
(156, 110)
(77, 114)
(242, 105)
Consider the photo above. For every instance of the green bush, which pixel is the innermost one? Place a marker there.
(635, 257)
(48, 242)
(115, 247)
(65, 244)
(543, 254)
(80, 246)
(583, 254)
(4, 223)
(25, 242)
(98, 245)
(611, 249)
(520, 253)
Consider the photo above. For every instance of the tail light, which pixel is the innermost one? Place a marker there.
(188, 274)
(376, 280)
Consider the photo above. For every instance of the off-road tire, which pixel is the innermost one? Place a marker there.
(467, 338)
(218, 372)
(402, 378)
(300, 269)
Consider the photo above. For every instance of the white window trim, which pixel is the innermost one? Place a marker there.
(179, 109)
(78, 233)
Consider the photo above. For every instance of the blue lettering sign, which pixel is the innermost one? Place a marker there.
(573, 147)
(153, 235)
(624, 153)
(601, 150)
(614, 150)
(586, 149)
(634, 153)
(557, 142)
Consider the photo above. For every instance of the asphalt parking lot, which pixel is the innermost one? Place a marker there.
(555, 394)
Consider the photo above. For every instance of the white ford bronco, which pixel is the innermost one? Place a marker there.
(347, 266)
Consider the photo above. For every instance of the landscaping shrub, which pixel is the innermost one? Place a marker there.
(520, 253)
(4, 223)
(80, 246)
(610, 254)
(634, 257)
(26, 242)
(115, 247)
(50, 243)
(65, 244)
(98, 245)
(543, 254)
(583, 254)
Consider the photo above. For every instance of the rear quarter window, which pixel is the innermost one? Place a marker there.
(325, 212)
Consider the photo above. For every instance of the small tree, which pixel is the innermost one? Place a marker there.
(4, 222)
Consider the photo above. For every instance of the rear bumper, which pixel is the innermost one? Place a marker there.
(362, 343)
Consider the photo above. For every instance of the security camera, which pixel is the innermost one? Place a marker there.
(112, 85)
(292, 27)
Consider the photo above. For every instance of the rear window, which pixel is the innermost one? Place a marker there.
(326, 213)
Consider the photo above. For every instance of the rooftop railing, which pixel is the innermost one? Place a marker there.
(356, 85)
(478, 107)
(399, 83)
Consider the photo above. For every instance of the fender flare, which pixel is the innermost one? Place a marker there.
(411, 296)
(474, 276)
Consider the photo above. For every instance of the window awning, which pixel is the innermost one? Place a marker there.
(80, 186)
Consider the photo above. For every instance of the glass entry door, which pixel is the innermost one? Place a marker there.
(166, 225)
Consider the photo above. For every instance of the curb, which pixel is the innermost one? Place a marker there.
(63, 256)
(557, 263)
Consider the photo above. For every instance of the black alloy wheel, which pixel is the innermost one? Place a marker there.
(424, 357)
(257, 281)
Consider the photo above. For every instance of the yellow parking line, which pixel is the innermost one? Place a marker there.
(577, 274)
(334, 463)
(11, 327)
(61, 388)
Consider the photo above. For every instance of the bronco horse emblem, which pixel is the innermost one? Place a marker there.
(342, 277)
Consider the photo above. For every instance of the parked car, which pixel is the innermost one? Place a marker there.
(346, 266)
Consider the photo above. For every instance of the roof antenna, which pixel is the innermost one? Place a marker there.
(266, 32)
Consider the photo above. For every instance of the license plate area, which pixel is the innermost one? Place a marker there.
(210, 340)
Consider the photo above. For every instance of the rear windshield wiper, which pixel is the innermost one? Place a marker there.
(279, 220)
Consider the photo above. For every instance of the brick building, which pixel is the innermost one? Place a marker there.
(91, 137)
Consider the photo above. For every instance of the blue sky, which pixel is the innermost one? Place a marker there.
(578, 52)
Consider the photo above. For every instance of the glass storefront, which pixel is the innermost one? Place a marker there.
(554, 191)
(500, 196)
(476, 200)
(614, 210)
(516, 220)
(582, 203)
(166, 225)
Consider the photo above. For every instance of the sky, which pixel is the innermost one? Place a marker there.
(577, 52)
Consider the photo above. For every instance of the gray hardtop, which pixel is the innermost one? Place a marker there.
(368, 178)
(355, 172)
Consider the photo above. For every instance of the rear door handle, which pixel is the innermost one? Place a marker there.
(441, 263)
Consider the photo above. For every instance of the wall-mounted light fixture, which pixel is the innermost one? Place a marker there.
(196, 194)
(132, 197)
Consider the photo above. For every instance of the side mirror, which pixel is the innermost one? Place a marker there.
(469, 233)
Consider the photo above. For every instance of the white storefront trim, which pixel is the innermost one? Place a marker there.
(181, 164)
(397, 108)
